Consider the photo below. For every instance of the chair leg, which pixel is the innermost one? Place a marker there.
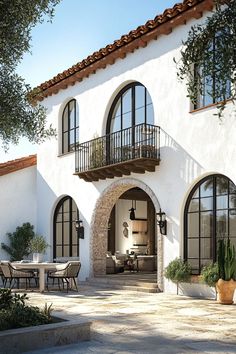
(47, 283)
(67, 284)
(14, 281)
(36, 281)
(75, 284)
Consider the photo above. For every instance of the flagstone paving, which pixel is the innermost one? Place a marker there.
(132, 322)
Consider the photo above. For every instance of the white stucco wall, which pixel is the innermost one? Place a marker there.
(17, 203)
(192, 144)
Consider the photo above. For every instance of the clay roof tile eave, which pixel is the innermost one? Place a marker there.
(98, 57)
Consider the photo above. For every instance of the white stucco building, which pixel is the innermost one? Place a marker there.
(139, 141)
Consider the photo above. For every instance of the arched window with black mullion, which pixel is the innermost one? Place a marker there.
(65, 237)
(70, 127)
(210, 214)
(132, 106)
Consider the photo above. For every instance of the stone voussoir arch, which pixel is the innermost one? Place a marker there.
(99, 224)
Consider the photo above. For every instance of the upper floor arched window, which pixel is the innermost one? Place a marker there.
(70, 127)
(132, 106)
(210, 214)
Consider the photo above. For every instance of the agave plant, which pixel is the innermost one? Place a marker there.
(226, 259)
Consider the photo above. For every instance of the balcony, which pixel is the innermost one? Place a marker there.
(135, 149)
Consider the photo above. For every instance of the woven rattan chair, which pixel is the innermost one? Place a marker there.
(64, 273)
(13, 275)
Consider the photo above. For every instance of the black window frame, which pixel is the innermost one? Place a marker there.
(71, 223)
(119, 96)
(203, 96)
(214, 237)
(67, 146)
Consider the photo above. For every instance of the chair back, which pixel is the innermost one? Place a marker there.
(6, 269)
(72, 269)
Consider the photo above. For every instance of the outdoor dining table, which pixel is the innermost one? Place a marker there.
(41, 267)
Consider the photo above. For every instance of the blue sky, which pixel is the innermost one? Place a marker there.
(78, 29)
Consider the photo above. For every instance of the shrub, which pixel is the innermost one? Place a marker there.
(7, 299)
(210, 274)
(19, 241)
(14, 313)
(178, 271)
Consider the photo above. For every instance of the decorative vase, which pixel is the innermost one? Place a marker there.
(37, 257)
(225, 291)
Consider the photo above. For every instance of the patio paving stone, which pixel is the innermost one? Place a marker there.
(132, 322)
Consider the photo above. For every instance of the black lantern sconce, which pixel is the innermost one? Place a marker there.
(161, 221)
(79, 228)
(132, 213)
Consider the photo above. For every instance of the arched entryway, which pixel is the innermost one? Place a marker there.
(99, 225)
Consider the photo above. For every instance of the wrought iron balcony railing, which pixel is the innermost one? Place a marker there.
(134, 146)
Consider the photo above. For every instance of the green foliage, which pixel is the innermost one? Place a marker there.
(14, 313)
(197, 53)
(178, 271)
(226, 258)
(38, 244)
(97, 152)
(47, 310)
(17, 116)
(19, 241)
(7, 299)
(210, 274)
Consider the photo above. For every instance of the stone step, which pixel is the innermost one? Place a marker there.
(122, 287)
(126, 284)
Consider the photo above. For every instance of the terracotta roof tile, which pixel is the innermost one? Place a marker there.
(18, 164)
(179, 14)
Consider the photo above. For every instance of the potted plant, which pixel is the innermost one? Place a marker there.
(222, 274)
(210, 275)
(178, 271)
(38, 246)
(226, 284)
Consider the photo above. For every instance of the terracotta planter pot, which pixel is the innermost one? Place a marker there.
(225, 291)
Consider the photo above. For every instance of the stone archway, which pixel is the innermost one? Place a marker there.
(99, 223)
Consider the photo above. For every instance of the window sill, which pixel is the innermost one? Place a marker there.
(66, 154)
(213, 105)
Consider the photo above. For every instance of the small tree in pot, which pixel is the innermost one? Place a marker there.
(38, 246)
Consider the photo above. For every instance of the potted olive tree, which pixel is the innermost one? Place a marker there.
(38, 246)
(178, 271)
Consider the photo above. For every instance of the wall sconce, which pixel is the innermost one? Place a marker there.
(161, 221)
(79, 228)
(132, 213)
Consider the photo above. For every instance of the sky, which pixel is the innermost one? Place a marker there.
(78, 29)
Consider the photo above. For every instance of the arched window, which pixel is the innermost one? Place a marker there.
(65, 240)
(132, 106)
(210, 214)
(70, 127)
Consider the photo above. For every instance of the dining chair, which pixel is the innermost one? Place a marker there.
(64, 273)
(1, 274)
(13, 275)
